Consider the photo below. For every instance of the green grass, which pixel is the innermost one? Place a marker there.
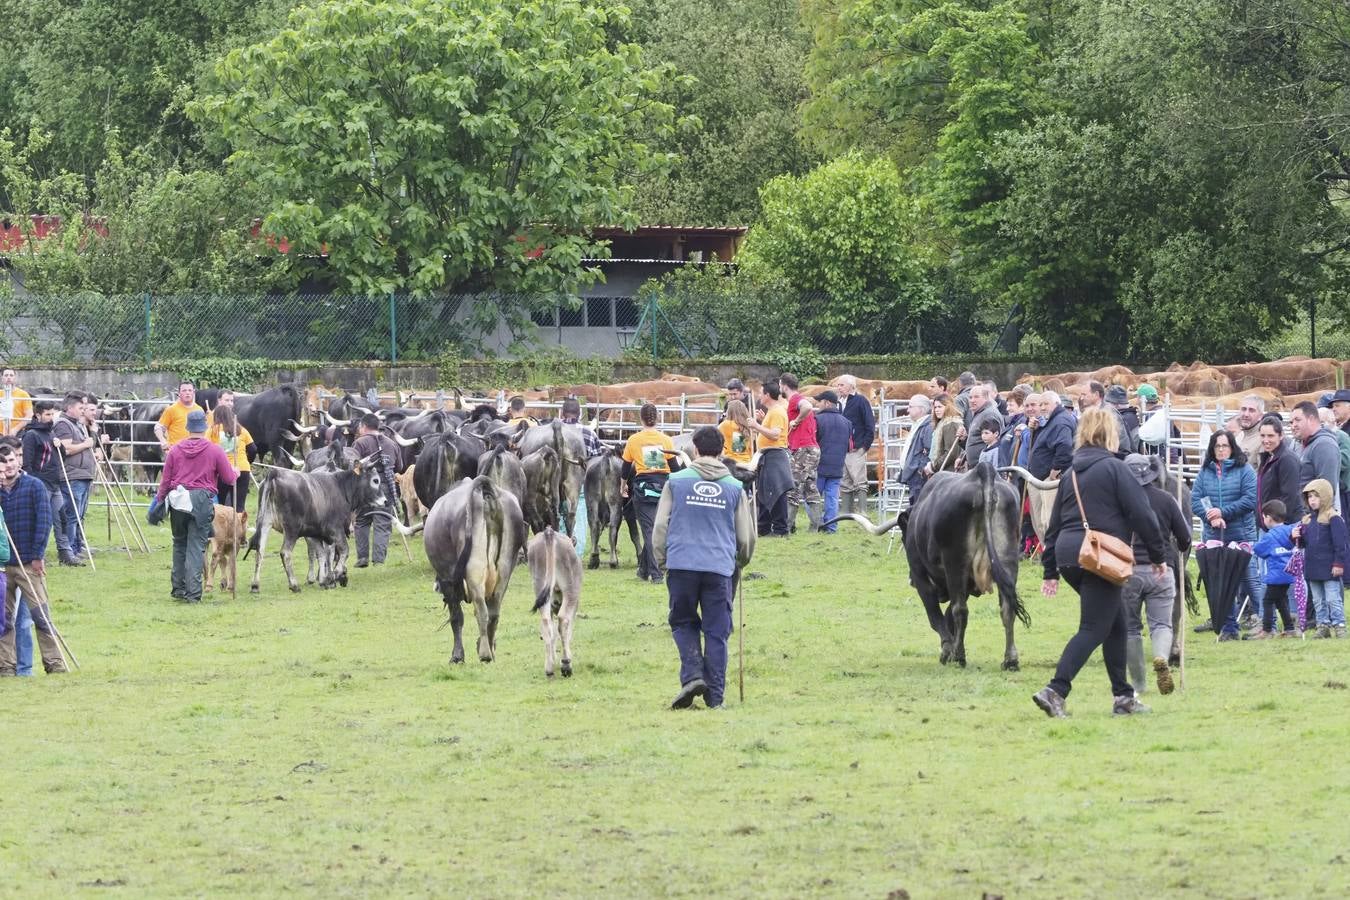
(319, 744)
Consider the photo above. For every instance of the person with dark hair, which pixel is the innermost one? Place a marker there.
(72, 435)
(570, 413)
(833, 434)
(516, 412)
(775, 467)
(232, 437)
(1320, 451)
(1224, 499)
(27, 512)
(172, 425)
(16, 406)
(1114, 503)
(944, 447)
(371, 442)
(646, 464)
(1277, 470)
(984, 417)
(1093, 397)
(937, 385)
(1275, 547)
(41, 460)
(965, 384)
(1117, 400)
(805, 453)
(703, 533)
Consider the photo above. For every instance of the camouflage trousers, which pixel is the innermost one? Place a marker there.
(805, 461)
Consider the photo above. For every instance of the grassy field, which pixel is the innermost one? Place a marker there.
(319, 744)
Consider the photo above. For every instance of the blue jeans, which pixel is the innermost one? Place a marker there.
(1328, 599)
(57, 499)
(700, 623)
(1252, 586)
(579, 528)
(829, 489)
(23, 639)
(76, 502)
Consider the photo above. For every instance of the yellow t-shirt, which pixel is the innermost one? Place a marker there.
(15, 411)
(174, 421)
(235, 448)
(776, 417)
(731, 437)
(644, 451)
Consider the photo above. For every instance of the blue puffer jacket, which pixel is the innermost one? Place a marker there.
(1232, 488)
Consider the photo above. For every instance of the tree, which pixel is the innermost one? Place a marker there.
(746, 58)
(434, 145)
(846, 229)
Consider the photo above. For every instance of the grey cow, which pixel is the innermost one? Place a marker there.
(556, 571)
(606, 508)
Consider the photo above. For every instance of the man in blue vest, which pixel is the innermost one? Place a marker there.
(703, 535)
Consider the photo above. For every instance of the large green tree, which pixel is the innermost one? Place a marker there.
(433, 145)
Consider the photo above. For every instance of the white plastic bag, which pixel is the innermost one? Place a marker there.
(180, 499)
(1154, 431)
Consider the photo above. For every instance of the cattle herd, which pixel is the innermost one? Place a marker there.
(479, 486)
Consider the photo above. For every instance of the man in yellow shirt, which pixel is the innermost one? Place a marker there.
(646, 463)
(775, 466)
(172, 425)
(16, 406)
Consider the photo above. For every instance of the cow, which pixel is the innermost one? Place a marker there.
(446, 459)
(542, 475)
(314, 505)
(224, 543)
(606, 507)
(557, 593)
(566, 442)
(413, 510)
(133, 425)
(504, 469)
(273, 418)
(473, 538)
(961, 541)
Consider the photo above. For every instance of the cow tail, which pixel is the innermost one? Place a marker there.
(264, 516)
(545, 594)
(1007, 584)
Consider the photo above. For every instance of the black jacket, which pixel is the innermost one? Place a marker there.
(859, 414)
(1277, 479)
(1176, 531)
(40, 454)
(1115, 504)
(1053, 447)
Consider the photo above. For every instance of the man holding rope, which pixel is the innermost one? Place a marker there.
(28, 520)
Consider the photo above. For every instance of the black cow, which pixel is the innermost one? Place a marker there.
(605, 508)
(274, 419)
(314, 505)
(960, 541)
(445, 460)
(133, 423)
(503, 468)
(567, 443)
(473, 537)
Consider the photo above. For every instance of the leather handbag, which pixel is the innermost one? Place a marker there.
(1101, 554)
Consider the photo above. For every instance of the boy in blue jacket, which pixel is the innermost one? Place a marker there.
(1325, 551)
(1275, 547)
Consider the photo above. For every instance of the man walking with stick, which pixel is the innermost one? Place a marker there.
(28, 521)
(704, 534)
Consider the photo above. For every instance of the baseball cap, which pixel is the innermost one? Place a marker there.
(1147, 391)
(829, 397)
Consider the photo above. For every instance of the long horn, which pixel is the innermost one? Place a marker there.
(402, 441)
(296, 462)
(290, 437)
(337, 423)
(867, 523)
(304, 429)
(1031, 479)
(422, 415)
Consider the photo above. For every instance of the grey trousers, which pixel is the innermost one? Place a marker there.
(853, 489)
(191, 531)
(1143, 595)
(366, 549)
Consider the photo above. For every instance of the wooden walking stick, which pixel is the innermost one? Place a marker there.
(234, 549)
(42, 608)
(70, 492)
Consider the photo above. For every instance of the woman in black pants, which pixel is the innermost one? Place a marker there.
(1115, 504)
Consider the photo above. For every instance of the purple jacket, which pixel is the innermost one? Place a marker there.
(196, 464)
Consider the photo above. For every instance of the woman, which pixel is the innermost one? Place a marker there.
(1115, 504)
(946, 450)
(737, 436)
(1224, 498)
(646, 467)
(234, 439)
(1277, 475)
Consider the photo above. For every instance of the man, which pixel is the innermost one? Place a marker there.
(1328, 419)
(805, 453)
(775, 466)
(735, 391)
(370, 442)
(172, 425)
(834, 434)
(1149, 404)
(570, 413)
(703, 534)
(517, 413)
(937, 385)
(863, 424)
(1052, 449)
(195, 465)
(1094, 396)
(1340, 407)
(983, 415)
(77, 442)
(1117, 399)
(41, 459)
(1245, 427)
(28, 516)
(1319, 448)
(646, 465)
(1155, 595)
(966, 383)
(920, 447)
(16, 406)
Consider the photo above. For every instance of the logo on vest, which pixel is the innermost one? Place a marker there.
(708, 489)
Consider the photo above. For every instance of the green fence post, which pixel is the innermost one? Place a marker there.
(147, 329)
(393, 330)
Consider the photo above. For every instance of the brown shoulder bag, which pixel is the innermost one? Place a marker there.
(1101, 554)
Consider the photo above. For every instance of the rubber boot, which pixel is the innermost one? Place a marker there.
(846, 502)
(1134, 662)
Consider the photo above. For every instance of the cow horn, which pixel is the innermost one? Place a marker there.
(304, 429)
(290, 437)
(336, 423)
(296, 462)
(112, 409)
(402, 441)
(1031, 479)
(422, 415)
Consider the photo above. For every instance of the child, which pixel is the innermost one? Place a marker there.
(1275, 547)
(1323, 536)
(989, 434)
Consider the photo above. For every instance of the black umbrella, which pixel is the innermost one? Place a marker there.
(1221, 571)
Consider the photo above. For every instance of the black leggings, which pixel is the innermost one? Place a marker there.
(1101, 623)
(235, 495)
(1277, 597)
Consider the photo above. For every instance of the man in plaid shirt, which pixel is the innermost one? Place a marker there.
(28, 516)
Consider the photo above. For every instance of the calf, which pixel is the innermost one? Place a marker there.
(557, 592)
(473, 537)
(224, 544)
(412, 507)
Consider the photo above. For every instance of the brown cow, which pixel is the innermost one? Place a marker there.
(223, 545)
